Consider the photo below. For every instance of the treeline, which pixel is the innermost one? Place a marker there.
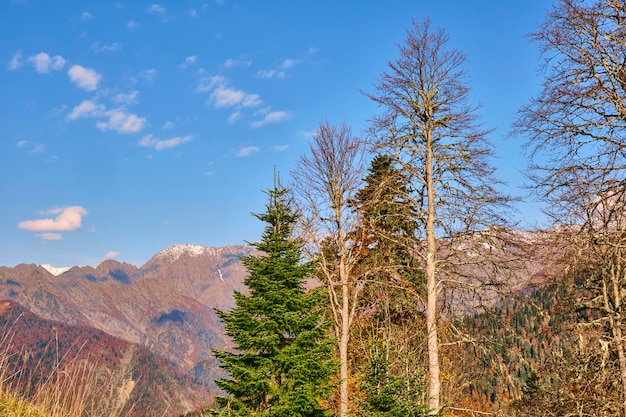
(409, 232)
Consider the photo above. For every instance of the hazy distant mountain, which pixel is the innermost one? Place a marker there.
(166, 304)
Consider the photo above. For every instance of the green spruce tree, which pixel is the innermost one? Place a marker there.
(386, 335)
(282, 365)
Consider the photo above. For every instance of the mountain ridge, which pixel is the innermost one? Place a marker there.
(167, 304)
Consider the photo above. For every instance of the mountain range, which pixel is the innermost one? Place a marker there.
(165, 306)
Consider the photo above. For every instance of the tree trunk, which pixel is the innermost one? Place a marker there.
(343, 342)
(615, 321)
(619, 342)
(434, 382)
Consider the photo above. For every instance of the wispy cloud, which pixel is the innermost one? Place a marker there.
(247, 151)
(273, 73)
(156, 8)
(98, 47)
(190, 60)
(111, 255)
(271, 117)
(280, 148)
(86, 16)
(121, 122)
(159, 10)
(116, 119)
(84, 78)
(126, 98)
(67, 219)
(44, 63)
(209, 82)
(237, 62)
(149, 141)
(234, 117)
(168, 125)
(87, 108)
(131, 24)
(15, 62)
(149, 75)
(222, 95)
(38, 148)
(280, 71)
(49, 236)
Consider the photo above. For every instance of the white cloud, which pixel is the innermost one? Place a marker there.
(149, 141)
(15, 62)
(67, 219)
(190, 60)
(37, 149)
(271, 117)
(86, 108)
(49, 236)
(84, 78)
(192, 13)
(86, 16)
(207, 83)
(270, 74)
(149, 75)
(247, 151)
(98, 47)
(117, 119)
(280, 148)
(43, 63)
(168, 125)
(234, 117)
(288, 63)
(58, 110)
(131, 24)
(237, 62)
(111, 255)
(122, 122)
(158, 9)
(126, 98)
(226, 97)
(251, 100)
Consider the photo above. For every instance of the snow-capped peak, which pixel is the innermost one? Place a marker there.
(54, 270)
(175, 251)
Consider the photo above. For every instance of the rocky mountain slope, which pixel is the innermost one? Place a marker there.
(115, 374)
(166, 305)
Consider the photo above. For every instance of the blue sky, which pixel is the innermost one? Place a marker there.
(130, 126)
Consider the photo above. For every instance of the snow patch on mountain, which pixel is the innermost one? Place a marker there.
(176, 251)
(54, 270)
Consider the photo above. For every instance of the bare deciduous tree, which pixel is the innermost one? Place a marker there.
(325, 181)
(576, 130)
(432, 132)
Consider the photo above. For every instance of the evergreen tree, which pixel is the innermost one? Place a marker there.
(283, 362)
(387, 334)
